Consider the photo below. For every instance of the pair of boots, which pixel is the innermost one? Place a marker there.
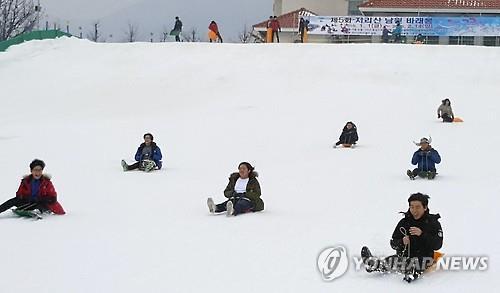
(424, 174)
(409, 265)
(145, 165)
(212, 207)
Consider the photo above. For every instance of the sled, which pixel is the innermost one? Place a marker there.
(457, 119)
(212, 36)
(306, 36)
(437, 256)
(27, 214)
(269, 35)
(175, 32)
(347, 145)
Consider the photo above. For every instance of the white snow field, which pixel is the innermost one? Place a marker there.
(82, 107)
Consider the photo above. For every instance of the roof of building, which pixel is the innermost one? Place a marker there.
(288, 20)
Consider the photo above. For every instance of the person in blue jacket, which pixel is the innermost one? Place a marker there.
(396, 32)
(426, 159)
(148, 156)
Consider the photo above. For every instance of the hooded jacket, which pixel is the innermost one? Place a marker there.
(426, 160)
(46, 194)
(155, 156)
(445, 109)
(253, 192)
(348, 136)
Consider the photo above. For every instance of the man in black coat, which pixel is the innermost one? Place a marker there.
(415, 239)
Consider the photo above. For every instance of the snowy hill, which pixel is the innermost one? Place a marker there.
(82, 107)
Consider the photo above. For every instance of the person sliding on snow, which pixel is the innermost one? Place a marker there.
(36, 192)
(416, 237)
(426, 157)
(445, 112)
(242, 191)
(349, 135)
(148, 156)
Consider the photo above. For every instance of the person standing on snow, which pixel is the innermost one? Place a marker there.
(445, 112)
(303, 25)
(177, 29)
(148, 156)
(214, 28)
(397, 32)
(425, 157)
(385, 35)
(243, 193)
(349, 135)
(276, 27)
(416, 238)
(36, 191)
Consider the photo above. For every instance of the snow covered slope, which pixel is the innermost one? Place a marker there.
(82, 107)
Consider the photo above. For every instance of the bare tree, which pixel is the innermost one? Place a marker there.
(246, 35)
(94, 35)
(131, 32)
(191, 36)
(17, 17)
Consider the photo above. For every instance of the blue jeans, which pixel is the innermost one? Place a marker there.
(240, 205)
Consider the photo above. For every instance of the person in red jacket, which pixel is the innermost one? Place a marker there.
(35, 192)
(213, 27)
(275, 26)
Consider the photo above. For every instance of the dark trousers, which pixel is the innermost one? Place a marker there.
(401, 264)
(302, 36)
(447, 118)
(134, 166)
(177, 38)
(240, 206)
(20, 203)
(275, 33)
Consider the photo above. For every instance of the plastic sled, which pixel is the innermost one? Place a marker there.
(457, 119)
(212, 35)
(269, 35)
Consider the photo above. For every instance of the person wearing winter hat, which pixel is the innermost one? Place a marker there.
(36, 191)
(426, 159)
(242, 193)
(148, 156)
(416, 239)
(349, 135)
(445, 112)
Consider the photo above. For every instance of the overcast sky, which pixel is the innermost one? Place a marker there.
(155, 15)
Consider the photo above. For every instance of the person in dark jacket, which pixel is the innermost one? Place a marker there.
(177, 29)
(36, 191)
(416, 238)
(349, 135)
(148, 156)
(426, 159)
(242, 193)
(385, 35)
(445, 112)
(303, 25)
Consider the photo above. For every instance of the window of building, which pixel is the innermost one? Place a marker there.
(432, 40)
(353, 7)
(491, 41)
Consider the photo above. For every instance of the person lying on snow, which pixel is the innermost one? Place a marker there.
(349, 135)
(416, 237)
(445, 112)
(425, 158)
(35, 192)
(148, 156)
(242, 191)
